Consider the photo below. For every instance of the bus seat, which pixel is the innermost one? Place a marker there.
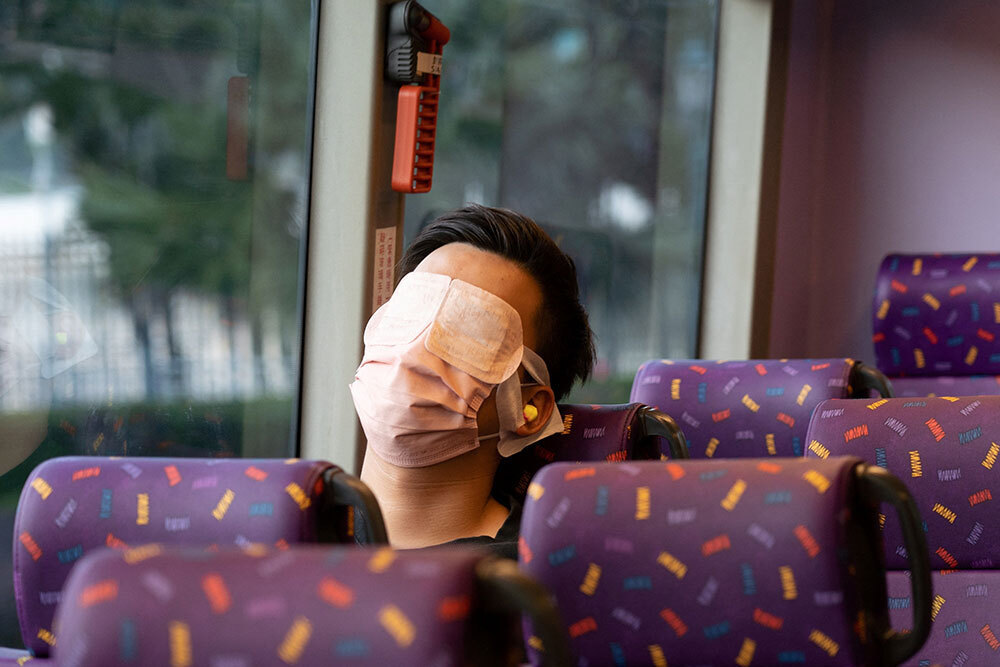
(966, 617)
(305, 606)
(946, 385)
(734, 409)
(938, 316)
(752, 561)
(10, 657)
(625, 432)
(945, 450)
(72, 505)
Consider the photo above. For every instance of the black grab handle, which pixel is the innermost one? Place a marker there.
(507, 590)
(865, 379)
(349, 492)
(656, 424)
(878, 485)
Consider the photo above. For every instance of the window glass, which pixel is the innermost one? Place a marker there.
(592, 117)
(153, 196)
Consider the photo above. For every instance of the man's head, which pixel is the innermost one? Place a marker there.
(540, 282)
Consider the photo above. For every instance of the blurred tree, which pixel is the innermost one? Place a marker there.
(593, 117)
(138, 97)
(148, 144)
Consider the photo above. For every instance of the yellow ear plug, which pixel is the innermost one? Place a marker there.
(530, 413)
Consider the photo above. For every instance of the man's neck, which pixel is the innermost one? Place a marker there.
(439, 503)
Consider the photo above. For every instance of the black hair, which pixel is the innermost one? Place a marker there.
(566, 342)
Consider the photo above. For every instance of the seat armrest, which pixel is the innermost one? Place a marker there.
(349, 499)
(506, 590)
(866, 379)
(656, 425)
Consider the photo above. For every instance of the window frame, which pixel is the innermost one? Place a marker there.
(745, 163)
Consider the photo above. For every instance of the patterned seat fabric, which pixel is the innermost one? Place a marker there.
(966, 628)
(70, 506)
(946, 385)
(938, 315)
(752, 562)
(595, 433)
(15, 658)
(304, 606)
(945, 449)
(732, 409)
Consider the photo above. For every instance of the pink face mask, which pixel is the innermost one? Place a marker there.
(433, 353)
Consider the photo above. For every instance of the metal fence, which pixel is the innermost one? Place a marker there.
(69, 336)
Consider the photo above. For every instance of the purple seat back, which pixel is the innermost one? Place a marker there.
(966, 629)
(944, 450)
(626, 432)
(937, 315)
(10, 657)
(946, 385)
(70, 506)
(303, 606)
(765, 561)
(734, 409)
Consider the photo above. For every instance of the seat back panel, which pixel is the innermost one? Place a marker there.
(303, 606)
(590, 433)
(742, 408)
(946, 385)
(945, 450)
(698, 561)
(937, 315)
(73, 505)
(966, 628)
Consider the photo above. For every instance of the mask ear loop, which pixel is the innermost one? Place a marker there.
(481, 438)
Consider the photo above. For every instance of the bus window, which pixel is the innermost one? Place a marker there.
(594, 119)
(154, 169)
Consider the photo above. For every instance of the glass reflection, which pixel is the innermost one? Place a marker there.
(594, 119)
(153, 183)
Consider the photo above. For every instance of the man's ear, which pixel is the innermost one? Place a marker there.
(543, 400)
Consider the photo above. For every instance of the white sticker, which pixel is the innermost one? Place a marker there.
(428, 63)
(384, 270)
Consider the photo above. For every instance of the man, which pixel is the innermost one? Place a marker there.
(463, 365)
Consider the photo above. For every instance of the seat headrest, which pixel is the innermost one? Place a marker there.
(761, 561)
(730, 409)
(946, 385)
(590, 433)
(945, 449)
(72, 505)
(966, 619)
(307, 605)
(937, 314)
